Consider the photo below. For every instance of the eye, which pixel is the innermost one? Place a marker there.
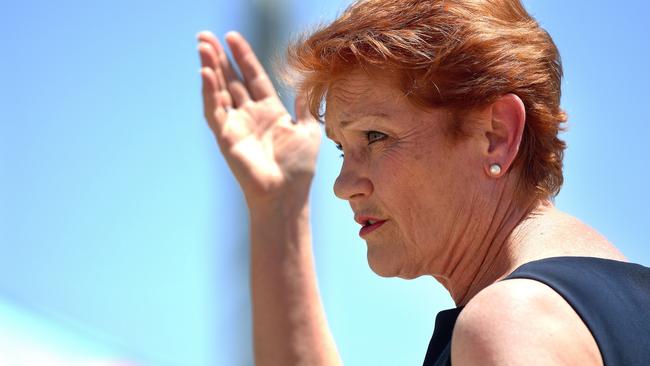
(340, 148)
(374, 136)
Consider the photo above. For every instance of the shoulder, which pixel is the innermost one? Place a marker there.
(521, 321)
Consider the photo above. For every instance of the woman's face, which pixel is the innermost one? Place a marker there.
(409, 184)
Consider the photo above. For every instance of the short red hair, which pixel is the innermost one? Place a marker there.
(449, 53)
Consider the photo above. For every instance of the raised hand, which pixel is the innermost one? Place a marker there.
(270, 155)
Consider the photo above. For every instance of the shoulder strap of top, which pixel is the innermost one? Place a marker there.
(439, 350)
(612, 298)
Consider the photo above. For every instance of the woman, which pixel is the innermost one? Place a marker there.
(447, 113)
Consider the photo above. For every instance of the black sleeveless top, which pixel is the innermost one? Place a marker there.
(612, 298)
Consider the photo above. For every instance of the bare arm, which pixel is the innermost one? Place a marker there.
(273, 159)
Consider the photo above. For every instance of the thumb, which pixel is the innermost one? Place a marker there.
(303, 115)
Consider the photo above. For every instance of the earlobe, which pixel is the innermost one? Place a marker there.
(508, 118)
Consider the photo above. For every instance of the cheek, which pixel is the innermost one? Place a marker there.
(391, 174)
(424, 194)
(416, 179)
(405, 189)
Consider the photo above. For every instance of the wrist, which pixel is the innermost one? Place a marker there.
(280, 228)
(287, 201)
(278, 208)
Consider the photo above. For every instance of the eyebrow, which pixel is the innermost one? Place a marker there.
(348, 123)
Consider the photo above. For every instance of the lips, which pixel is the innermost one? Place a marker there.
(369, 224)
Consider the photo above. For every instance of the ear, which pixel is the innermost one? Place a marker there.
(508, 118)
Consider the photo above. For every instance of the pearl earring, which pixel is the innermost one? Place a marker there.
(495, 169)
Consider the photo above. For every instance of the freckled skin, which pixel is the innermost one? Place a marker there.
(414, 177)
(449, 219)
(446, 216)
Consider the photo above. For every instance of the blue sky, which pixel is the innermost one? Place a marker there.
(120, 224)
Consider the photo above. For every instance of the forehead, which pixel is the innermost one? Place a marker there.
(363, 94)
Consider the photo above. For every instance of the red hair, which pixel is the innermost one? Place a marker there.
(449, 53)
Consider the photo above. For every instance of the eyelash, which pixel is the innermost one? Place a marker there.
(370, 141)
(340, 148)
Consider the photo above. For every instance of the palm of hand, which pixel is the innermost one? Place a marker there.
(265, 149)
(267, 152)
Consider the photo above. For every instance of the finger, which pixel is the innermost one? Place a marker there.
(215, 93)
(209, 59)
(209, 90)
(215, 102)
(233, 83)
(258, 82)
(210, 96)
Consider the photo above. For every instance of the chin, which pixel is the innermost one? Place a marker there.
(385, 265)
(381, 270)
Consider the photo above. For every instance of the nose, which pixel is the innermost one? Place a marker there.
(352, 183)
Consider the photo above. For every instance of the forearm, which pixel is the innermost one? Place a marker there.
(289, 324)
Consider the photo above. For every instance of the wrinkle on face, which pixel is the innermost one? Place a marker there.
(416, 174)
(357, 95)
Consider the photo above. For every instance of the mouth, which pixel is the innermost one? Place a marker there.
(369, 224)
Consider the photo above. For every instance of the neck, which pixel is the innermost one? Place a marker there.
(498, 250)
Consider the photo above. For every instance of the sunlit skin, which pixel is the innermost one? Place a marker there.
(273, 159)
(445, 214)
(399, 165)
